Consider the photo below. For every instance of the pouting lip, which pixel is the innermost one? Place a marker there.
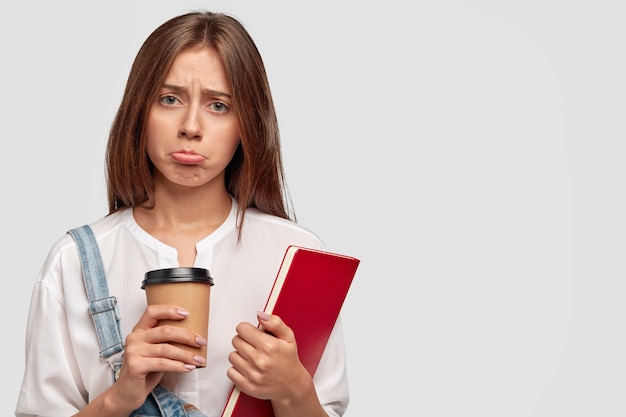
(187, 157)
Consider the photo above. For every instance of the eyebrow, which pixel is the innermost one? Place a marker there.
(208, 91)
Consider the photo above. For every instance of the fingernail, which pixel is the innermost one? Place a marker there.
(190, 366)
(200, 340)
(182, 312)
(199, 359)
(263, 315)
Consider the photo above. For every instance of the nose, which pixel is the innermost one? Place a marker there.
(190, 127)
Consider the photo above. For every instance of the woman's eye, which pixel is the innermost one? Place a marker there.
(218, 106)
(169, 100)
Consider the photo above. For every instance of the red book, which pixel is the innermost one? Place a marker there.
(308, 293)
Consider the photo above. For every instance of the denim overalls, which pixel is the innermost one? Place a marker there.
(161, 402)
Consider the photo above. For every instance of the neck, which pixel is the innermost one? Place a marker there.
(195, 212)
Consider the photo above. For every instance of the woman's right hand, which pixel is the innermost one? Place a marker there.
(147, 355)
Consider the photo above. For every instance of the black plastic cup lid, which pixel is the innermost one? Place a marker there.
(167, 275)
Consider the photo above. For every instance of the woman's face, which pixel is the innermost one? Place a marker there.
(192, 132)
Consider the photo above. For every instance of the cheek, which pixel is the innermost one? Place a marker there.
(230, 142)
(153, 126)
(234, 143)
(227, 152)
(156, 132)
(150, 140)
(150, 149)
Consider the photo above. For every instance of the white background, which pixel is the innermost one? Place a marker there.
(470, 153)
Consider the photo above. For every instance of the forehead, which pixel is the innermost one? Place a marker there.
(198, 64)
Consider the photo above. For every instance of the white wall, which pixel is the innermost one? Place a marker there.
(469, 152)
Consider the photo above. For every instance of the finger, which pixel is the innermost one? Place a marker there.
(144, 359)
(156, 312)
(238, 362)
(165, 342)
(248, 332)
(244, 351)
(235, 376)
(242, 372)
(166, 333)
(255, 353)
(275, 325)
(145, 367)
(245, 376)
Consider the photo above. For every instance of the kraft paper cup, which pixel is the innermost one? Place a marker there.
(188, 288)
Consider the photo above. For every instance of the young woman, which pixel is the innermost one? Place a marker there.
(195, 178)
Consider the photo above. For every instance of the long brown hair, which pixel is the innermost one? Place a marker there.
(255, 175)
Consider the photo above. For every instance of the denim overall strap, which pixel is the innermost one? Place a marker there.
(163, 402)
(103, 309)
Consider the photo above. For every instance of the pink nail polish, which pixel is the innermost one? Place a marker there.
(263, 316)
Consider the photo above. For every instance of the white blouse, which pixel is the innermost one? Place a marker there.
(64, 371)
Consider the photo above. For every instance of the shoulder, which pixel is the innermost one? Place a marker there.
(63, 254)
(258, 224)
(61, 271)
(109, 224)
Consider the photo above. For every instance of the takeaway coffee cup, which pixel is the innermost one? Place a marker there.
(188, 288)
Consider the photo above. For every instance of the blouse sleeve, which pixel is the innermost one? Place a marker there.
(330, 378)
(51, 385)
